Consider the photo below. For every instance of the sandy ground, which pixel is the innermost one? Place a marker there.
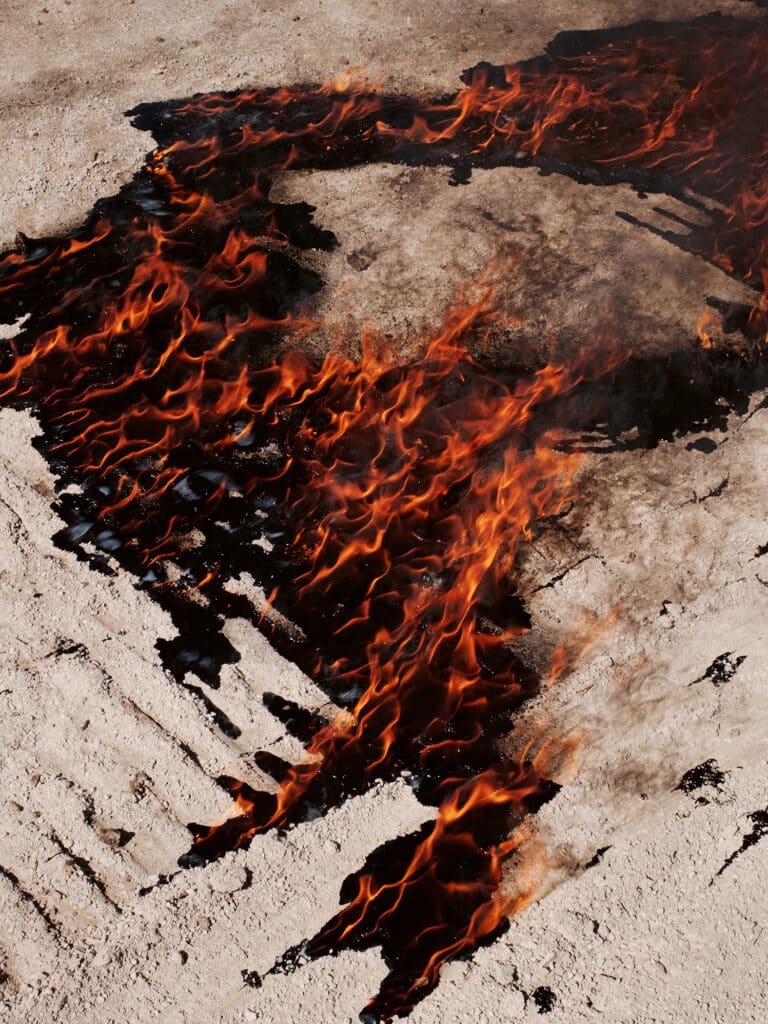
(104, 760)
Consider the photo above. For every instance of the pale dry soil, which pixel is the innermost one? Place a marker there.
(98, 743)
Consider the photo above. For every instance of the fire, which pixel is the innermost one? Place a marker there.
(464, 907)
(372, 530)
(163, 352)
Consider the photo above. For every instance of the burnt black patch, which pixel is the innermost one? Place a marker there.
(722, 670)
(702, 444)
(50, 923)
(759, 830)
(273, 765)
(597, 859)
(544, 998)
(705, 774)
(123, 837)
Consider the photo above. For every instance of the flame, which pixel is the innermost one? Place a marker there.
(434, 877)
(709, 322)
(373, 508)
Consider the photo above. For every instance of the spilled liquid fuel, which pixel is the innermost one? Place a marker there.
(380, 507)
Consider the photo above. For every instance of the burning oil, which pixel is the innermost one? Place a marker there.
(380, 507)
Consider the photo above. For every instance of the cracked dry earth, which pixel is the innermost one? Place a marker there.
(654, 907)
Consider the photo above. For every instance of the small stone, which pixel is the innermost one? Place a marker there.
(359, 261)
(514, 1001)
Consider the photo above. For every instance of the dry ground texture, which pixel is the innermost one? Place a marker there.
(98, 743)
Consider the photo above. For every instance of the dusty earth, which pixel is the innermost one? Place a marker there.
(104, 760)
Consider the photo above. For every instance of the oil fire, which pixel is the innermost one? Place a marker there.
(162, 352)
